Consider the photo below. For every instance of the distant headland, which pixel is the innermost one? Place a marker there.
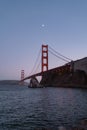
(9, 82)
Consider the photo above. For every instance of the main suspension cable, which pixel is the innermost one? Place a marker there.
(58, 56)
(57, 53)
(35, 65)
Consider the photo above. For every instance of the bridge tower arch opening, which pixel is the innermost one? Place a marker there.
(44, 66)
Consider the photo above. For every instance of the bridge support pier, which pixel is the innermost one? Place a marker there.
(34, 83)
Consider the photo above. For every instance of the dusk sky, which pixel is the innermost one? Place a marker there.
(27, 24)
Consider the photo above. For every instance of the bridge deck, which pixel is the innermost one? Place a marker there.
(57, 69)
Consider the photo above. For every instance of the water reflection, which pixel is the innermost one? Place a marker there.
(27, 108)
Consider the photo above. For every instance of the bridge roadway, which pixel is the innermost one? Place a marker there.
(61, 69)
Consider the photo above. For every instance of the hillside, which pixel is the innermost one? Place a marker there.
(77, 79)
(9, 82)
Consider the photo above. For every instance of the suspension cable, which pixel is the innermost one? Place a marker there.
(35, 62)
(37, 68)
(57, 53)
(58, 56)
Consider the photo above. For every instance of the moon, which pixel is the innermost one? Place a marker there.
(43, 25)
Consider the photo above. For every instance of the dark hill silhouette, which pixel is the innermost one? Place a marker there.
(11, 82)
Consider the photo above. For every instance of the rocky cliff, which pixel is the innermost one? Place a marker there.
(75, 79)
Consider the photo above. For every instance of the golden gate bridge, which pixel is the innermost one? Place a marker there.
(45, 71)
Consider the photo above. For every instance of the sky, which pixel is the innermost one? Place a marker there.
(27, 24)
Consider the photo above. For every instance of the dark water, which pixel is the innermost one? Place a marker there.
(23, 108)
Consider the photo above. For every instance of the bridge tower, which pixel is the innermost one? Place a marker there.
(22, 77)
(44, 58)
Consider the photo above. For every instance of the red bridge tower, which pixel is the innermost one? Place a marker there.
(44, 58)
(22, 77)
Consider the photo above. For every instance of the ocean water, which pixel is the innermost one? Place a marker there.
(23, 108)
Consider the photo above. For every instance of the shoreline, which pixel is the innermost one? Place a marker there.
(66, 86)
